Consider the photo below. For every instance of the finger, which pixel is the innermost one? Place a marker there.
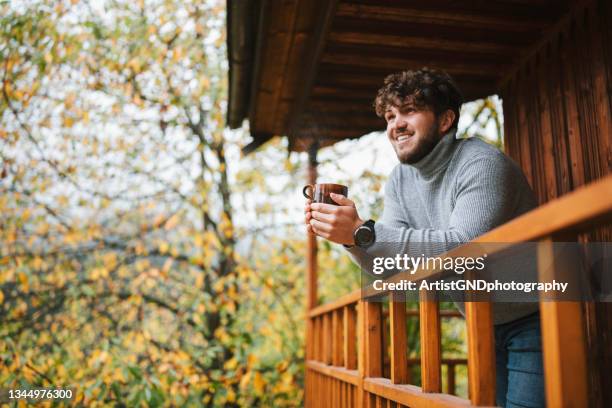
(324, 208)
(327, 218)
(307, 217)
(320, 226)
(320, 233)
(342, 200)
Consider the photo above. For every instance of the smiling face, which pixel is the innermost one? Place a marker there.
(413, 132)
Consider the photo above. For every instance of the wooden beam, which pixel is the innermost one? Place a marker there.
(512, 10)
(346, 79)
(335, 134)
(311, 248)
(411, 395)
(416, 42)
(437, 31)
(337, 120)
(258, 140)
(330, 92)
(316, 106)
(241, 34)
(310, 63)
(339, 373)
(388, 64)
(342, 301)
(443, 16)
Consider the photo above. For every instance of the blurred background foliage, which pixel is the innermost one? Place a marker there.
(143, 261)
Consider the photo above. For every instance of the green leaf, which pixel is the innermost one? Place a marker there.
(136, 372)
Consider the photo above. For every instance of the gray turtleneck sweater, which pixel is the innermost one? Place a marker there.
(462, 189)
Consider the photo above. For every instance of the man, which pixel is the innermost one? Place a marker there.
(444, 192)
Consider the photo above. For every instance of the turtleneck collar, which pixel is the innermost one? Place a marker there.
(439, 157)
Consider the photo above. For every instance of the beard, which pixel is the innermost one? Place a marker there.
(422, 146)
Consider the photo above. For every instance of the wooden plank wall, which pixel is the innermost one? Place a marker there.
(558, 127)
(558, 109)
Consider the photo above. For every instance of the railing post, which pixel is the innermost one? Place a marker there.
(327, 339)
(350, 334)
(431, 354)
(563, 338)
(450, 378)
(311, 271)
(481, 352)
(315, 338)
(311, 259)
(399, 343)
(369, 346)
(337, 341)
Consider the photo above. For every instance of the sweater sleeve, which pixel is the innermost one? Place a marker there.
(486, 194)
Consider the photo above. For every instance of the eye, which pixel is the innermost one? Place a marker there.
(389, 117)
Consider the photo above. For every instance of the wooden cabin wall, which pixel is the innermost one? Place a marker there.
(558, 108)
(558, 127)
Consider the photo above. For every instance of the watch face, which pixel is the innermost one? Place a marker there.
(364, 236)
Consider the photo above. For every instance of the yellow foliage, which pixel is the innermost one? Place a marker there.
(110, 260)
(172, 222)
(24, 281)
(252, 359)
(37, 263)
(199, 280)
(231, 364)
(244, 381)
(68, 121)
(231, 396)
(166, 267)
(259, 383)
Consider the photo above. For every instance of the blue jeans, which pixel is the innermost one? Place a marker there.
(520, 376)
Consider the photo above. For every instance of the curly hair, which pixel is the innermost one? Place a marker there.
(425, 88)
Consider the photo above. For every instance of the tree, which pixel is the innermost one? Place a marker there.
(120, 271)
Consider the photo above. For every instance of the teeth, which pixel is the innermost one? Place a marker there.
(402, 138)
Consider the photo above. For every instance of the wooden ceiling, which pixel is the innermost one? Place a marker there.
(310, 69)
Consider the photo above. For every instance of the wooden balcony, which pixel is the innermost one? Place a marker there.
(345, 345)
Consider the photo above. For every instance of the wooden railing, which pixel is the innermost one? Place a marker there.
(344, 343)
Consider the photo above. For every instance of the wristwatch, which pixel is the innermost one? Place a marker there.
(364, 235)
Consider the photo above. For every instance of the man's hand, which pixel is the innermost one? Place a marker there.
(333, 222)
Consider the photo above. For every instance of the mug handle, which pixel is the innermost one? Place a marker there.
(306, 187)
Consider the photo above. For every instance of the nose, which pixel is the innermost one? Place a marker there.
(400, 122)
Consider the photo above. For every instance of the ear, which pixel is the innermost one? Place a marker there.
(446, 121)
